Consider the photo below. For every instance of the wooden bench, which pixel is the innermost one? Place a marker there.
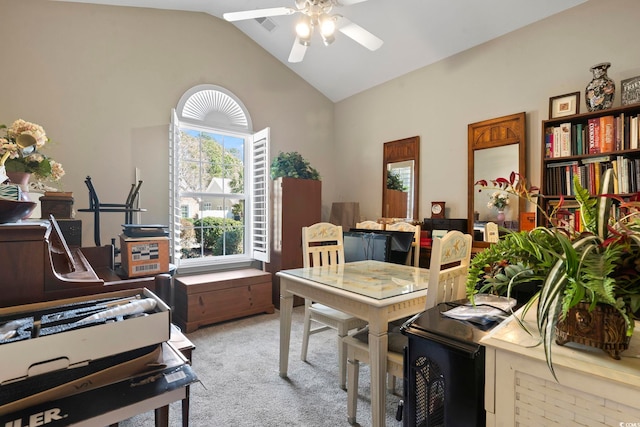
(209, 298)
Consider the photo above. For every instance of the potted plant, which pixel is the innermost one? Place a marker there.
(292, 165)
(596, 267)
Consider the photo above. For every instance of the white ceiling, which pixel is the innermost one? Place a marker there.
(416, 33)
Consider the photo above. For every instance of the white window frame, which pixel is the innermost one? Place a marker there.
(215, 109)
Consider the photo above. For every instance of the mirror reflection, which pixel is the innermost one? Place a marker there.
(497, 148)
(399, 185)
(401, 166)
(492, 163)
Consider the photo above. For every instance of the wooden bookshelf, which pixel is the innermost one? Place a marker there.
(586, 145)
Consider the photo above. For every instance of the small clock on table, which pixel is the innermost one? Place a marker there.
(437, 209)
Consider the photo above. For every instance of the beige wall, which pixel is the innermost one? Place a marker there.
(101, 80)
(515, 73)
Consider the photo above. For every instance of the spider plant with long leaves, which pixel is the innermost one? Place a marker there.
(599, 265)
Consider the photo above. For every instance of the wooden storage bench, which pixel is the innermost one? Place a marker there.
(204, 299)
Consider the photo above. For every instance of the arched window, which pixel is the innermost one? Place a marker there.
(218, 180)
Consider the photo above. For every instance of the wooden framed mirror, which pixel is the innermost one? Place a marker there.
(401, 178)
(497, 147)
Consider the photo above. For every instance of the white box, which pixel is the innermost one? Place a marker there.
(77, 347)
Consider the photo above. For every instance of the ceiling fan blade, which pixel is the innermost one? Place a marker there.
(359, 34)
(297, 51)
(349, 2)
(258, 13)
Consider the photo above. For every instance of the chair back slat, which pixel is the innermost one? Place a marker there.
(449, 267)
(322, 244)
(369, 225)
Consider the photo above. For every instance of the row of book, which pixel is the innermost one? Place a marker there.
(603, 134)
(560, 175)
(567, 215)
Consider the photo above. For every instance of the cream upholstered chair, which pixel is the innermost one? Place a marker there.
(370, 225)
(453, 252)
(322, 246)
(491, 232)
(414, 258)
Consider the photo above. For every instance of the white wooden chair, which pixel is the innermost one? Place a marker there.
(491, 232)
(414, 257)
(452, 251)
(370, 225)
(322, 245)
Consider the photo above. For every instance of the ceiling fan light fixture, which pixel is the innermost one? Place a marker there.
(327, 25)
(304, 27)
(327, 40)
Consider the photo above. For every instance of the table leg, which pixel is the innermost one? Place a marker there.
(162, 416)
(185, 409)
(378, 343)
(286, 308)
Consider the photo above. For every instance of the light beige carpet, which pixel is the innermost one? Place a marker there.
(237, 363)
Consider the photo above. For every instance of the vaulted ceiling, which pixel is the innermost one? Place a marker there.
(415, 33)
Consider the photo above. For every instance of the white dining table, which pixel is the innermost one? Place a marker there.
(375, 291)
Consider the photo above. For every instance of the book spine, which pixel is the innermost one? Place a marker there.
(616, 182)
(556, 142)
(636, 163)
(548, 143)
(579, 134)
(565, 139)
(626, 136)
(607, 135)
(633, 133)
(594, 136)
(619, 128)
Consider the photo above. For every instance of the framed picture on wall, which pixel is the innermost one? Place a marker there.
(564, 105)
(630, 90)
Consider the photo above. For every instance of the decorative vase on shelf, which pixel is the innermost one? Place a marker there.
(500, 216)
(22, 180)
(601, 90)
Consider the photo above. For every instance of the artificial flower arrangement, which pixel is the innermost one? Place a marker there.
(498, 200)
(19, 151)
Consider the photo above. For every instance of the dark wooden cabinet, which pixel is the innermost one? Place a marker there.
(430, 224)
(295, 203)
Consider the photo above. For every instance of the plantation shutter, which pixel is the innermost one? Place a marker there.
(174, 205)
(260, 195)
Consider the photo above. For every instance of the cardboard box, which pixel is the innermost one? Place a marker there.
(144, 256)
(43, 388)
(24, 357)
(107, 404)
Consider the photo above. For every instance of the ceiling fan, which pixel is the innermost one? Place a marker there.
(315, 14)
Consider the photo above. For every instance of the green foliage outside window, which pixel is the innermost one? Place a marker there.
(218, 162)
(209, 237)
(394, 182)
